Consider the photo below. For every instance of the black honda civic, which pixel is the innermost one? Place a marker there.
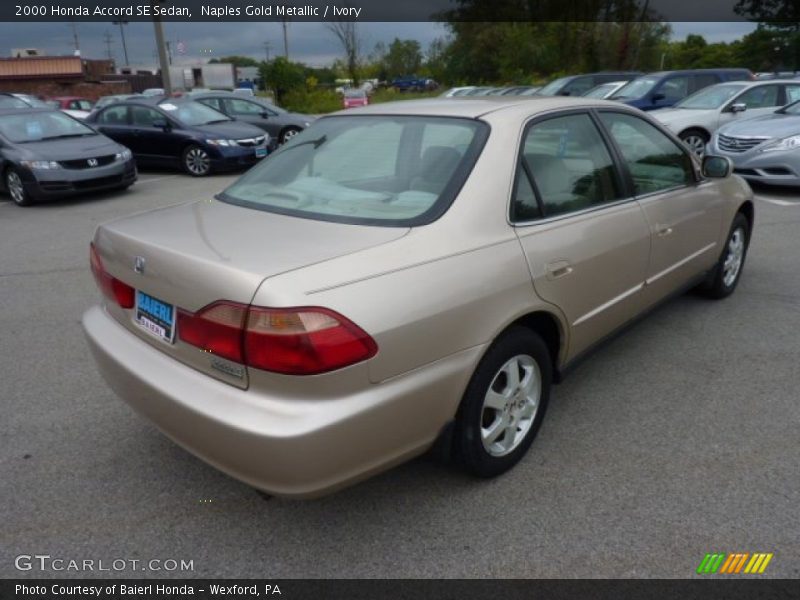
(181, 133)
(45, 153)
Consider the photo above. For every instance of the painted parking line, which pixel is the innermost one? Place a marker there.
(154, 179)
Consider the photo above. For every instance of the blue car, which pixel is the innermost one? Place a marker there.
(666, 88)
(181, 133)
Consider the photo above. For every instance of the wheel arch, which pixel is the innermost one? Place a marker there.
(551, 329)
(748, 210)
(696, 128)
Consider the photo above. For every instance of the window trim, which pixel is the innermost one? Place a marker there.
(622, 182)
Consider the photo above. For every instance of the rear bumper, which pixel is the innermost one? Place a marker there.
(283, 446)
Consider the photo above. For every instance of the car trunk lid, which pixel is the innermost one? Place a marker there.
(195, 254)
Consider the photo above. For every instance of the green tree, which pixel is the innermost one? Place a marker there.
(404, 57)
(283, 76)
(236, 61)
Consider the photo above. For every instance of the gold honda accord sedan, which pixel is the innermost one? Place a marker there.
(405, 275)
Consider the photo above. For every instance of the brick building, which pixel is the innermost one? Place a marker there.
(59, 76)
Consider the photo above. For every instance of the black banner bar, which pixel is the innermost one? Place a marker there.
(787, 11)
(738, 588)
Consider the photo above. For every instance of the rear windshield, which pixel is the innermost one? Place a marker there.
(377, 170)
(39, 126)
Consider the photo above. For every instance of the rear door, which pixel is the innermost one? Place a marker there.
(586, 241)
(684, 215)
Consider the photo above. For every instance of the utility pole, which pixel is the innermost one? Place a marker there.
(162, 51)
(107, 40)
(267, 46)
(285, 24)
(122, 36)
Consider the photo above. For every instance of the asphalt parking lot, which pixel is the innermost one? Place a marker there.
(678, 438)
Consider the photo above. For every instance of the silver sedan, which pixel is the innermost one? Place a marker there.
(696, 118)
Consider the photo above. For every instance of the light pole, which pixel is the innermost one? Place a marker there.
(122, 36)
(162, 51)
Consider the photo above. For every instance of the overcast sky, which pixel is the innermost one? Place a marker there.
(311, 43)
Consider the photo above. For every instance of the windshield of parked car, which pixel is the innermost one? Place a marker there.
(40, 126)
(790, 109)
(12, 102)
(636, 88)
(32, 101)
(193, 113)
(552, 88)
(711, 97)
(600, 91)
(381, 170)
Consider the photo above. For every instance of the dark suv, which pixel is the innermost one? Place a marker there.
(665, 88)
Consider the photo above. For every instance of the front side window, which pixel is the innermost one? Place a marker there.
(655, 162)
(243, 107)
(570, 166)
(381, 170)
(142, 116)
(764, 96)
(674, 88)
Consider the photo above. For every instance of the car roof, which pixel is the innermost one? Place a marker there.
(474, 107)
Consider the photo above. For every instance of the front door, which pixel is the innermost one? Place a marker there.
(587, 245)
(683, 214)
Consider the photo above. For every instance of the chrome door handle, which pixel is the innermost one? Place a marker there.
(663, 230)
(558, 269)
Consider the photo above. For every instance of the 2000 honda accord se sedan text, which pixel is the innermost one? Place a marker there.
(402, 274)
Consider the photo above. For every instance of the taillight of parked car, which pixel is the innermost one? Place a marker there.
(112, 288)
(293, 341)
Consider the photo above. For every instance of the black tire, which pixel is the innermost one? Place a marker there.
(695, 140)
(475, 419)
(196, 161)
(288, 134)
(719, 283)
(15, 189)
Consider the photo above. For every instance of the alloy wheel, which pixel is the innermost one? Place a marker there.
(289, 134)
(734, 257)
(510, 405)
(197, 161)
(15, 188)
(695, 143)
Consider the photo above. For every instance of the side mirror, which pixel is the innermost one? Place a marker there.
(717, 167)
(264, 115)
(658, 96)
(161, 124)
(738, 107)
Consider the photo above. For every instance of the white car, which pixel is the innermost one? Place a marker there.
(697, 117)
(457, 91)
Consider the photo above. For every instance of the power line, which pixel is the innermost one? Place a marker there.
(122, 36)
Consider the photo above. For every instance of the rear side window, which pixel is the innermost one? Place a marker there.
(703, 81)
(570, 168)
(655, 162)
(381, 170)
(792, 93)
(114, 115)
(675, 88)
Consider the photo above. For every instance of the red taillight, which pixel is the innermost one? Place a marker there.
(294, 341)
(304, 341)
(112, 288)
(217, 329)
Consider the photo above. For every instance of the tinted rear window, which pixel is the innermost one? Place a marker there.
(379, 170)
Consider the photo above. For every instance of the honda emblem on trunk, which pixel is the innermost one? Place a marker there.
(92, 162)
(138, 264)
